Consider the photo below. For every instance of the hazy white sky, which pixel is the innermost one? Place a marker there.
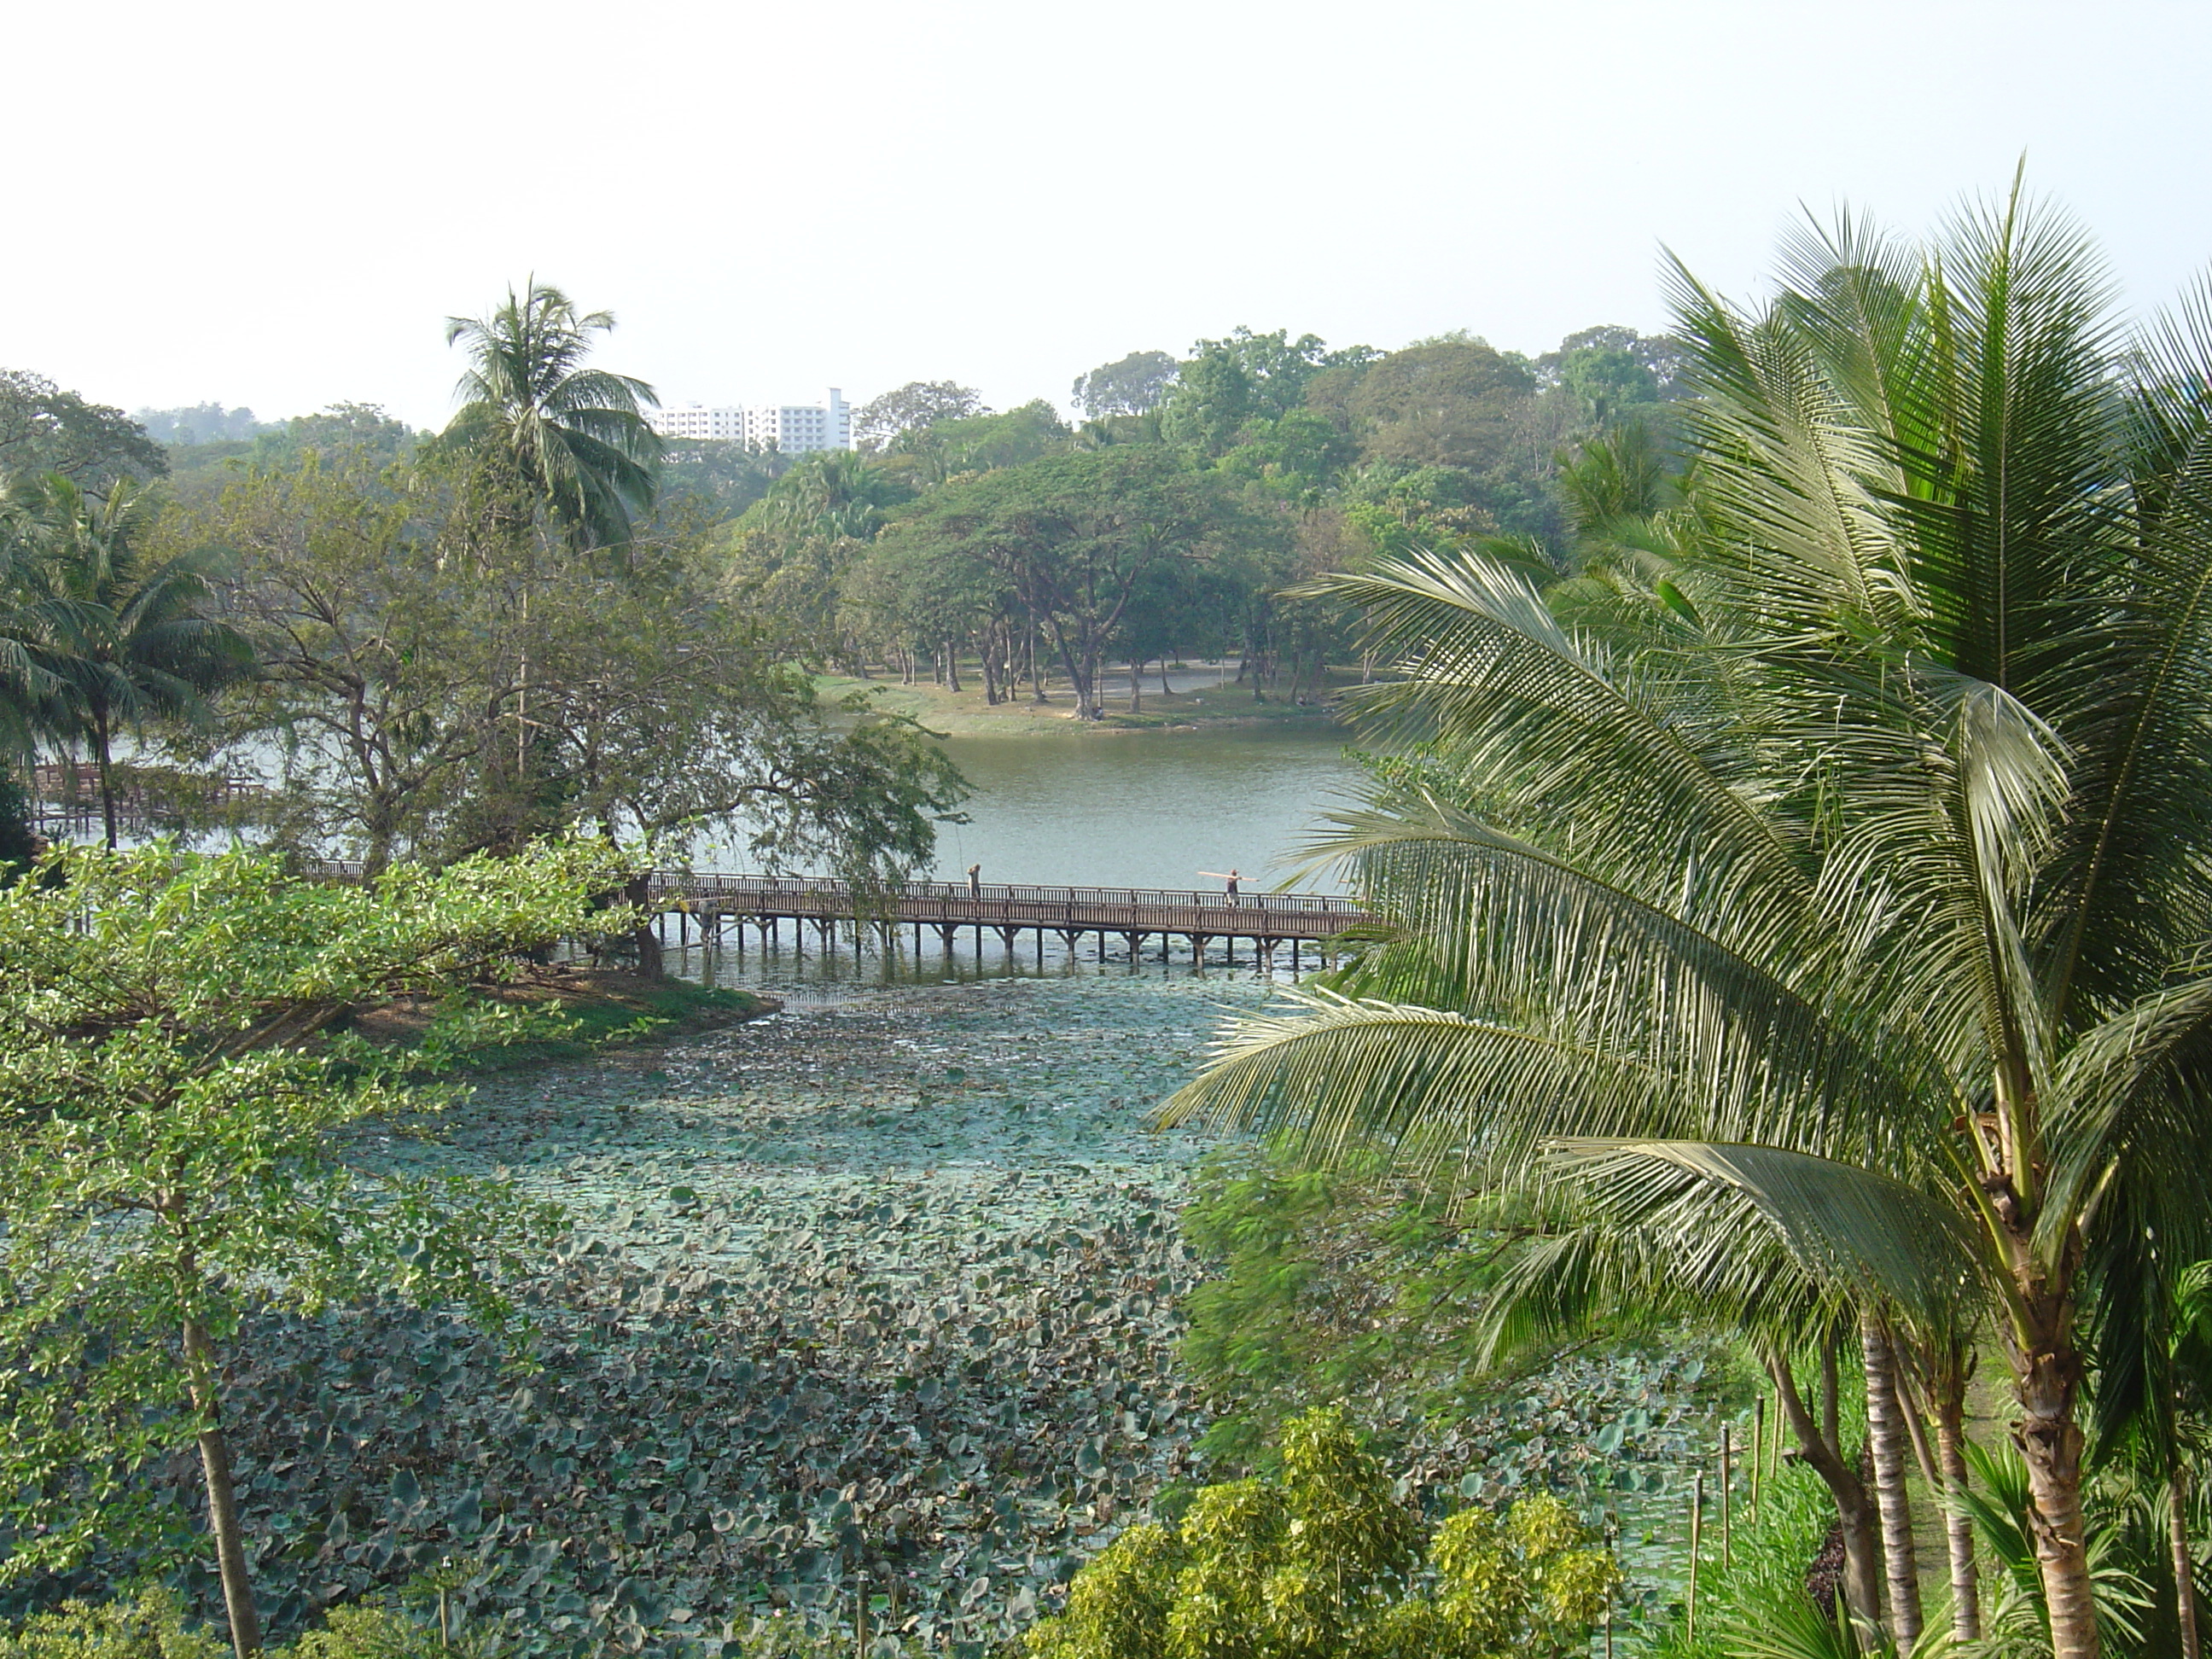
(276, 204)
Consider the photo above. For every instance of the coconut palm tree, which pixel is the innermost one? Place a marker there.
(33, 617)
(124, 639)
(1849, 893)
(572, 439)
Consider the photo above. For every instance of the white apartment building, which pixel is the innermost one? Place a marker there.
(696, 421)
(793, 428)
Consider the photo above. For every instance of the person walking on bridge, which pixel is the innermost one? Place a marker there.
(1230, 879)
(974, 881)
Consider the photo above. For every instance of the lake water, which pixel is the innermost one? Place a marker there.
(1143, 808)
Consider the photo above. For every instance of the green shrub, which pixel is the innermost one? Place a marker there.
(19, 841)
(150, 1627)
(1331, 1283)
(366, 1631)
(1324, 1563)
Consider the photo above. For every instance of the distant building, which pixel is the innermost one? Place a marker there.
(793, 428)
(698, 423)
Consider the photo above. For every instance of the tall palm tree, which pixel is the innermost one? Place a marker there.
(127, 639)
(572, 437)
(34, 616)
(1850, 895)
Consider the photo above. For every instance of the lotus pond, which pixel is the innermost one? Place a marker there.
(877, 1296)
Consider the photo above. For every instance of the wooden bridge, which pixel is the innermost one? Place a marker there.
(719, 908)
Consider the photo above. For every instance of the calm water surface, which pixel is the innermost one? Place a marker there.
(1142, 809)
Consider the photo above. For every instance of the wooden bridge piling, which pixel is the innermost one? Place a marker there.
(724, 905)
(1269, 922)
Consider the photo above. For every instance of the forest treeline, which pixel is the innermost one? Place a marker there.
(1178, 514)
(542, 617)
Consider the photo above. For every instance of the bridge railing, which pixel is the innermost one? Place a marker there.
(1001, 904)
(994, 897)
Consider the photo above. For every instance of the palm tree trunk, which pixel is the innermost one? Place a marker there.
(1950, 1402)
(222, 1494)
(2184, 1566)
(2046, 1381)
(1830, 1428)
(101, 756)
(1855, 1509)
(1886, 1440)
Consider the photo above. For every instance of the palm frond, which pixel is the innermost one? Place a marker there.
(1874, 1238)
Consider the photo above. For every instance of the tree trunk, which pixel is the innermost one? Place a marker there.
(1950, 1401)
(99, 754)
(1082, 668)
(222, 1496)
(1885, 1441)
(1830, 1428)
(639, 892)
(2185, 1568)
(1136, 685)
(952, 667)
(1855, 1509)
(378, 853)
(2047, 1381)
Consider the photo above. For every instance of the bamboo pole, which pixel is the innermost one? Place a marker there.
(1727, 1534)
(1758, 1445)
(1697, 1541)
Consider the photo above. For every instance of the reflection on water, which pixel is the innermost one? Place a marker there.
(813, 975)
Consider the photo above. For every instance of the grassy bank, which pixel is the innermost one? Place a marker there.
(606, 1009)
(965, 713)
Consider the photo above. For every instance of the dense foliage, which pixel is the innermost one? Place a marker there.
(1820, 911)
(178, 1098)
(1323, 1561)
(968, 535)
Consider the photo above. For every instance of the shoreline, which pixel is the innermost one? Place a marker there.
(964, 713)
(612, 1008)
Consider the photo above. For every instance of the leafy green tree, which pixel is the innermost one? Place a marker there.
(1133, 385)
(44, 429)
(1073, 537)
(140, 640)
(19, 841)
(1303, 451)
(179, 1116)
(343, 426)
(385, 675)
(983, 442)
(1244, 378)
(1451, 404)
(1660, 360)
(394, 642)
(910, 408)
(1851, 907)
(571, 440)
(727, 474)
(1322, 1563)
(662, 718)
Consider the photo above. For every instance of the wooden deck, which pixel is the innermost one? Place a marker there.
(713, 901)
